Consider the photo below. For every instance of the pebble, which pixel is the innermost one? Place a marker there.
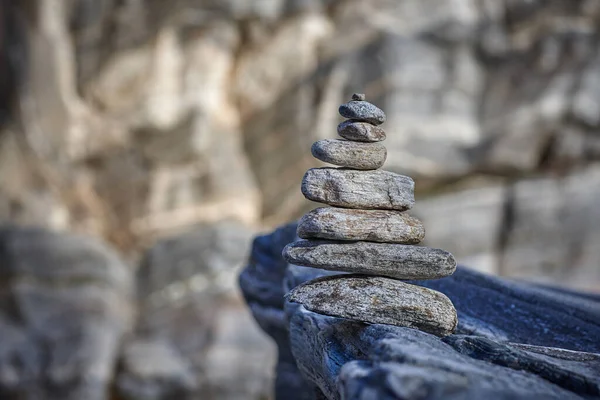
(360, 131)
(377, 300)
(363, 156)
(359, 189)
(387, 259)
(362, 111)
(365, 225)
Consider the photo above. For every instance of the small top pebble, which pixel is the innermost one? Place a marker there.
(358, 97)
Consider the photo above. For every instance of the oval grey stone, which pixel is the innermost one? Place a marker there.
(366, 225)
(360, 131)
(362, 111)
(378, 300)
(379, 190)
(365, 156)
(393, 260)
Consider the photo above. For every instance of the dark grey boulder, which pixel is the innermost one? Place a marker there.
(365, 225)
(393, 260)
(344, 153)
(378, 300)
(359, 189)
(362, 111)
(360, 131)
(352, 360)
(513, 341)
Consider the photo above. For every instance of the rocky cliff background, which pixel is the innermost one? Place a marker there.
(174, 130)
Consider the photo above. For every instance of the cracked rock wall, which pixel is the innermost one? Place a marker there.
(134, 119)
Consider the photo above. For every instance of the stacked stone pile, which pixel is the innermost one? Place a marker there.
(367, 233)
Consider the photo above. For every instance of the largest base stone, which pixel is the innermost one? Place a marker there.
(378, 300)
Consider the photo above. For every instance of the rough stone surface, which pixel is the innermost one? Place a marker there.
(384, 362)
(394, 260)
(359, 189)
(362, 111)
(360, 131)
(344, 153)
(364, 225)
(65, 305)
(378, 300)
(514, 340)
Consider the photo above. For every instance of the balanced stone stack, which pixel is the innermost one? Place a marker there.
(367, 233)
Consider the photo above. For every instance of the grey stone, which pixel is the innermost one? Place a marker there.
(262, 286)
(358, 97)
(181, 286)
(393, 260)
(554, 223)
(360, 131)
(359, 189)
(344, 153)
(362, 111)
(468, 223)
(154, 371)
(65, 305)
(231, 363)
(368, 225)
(378, 300)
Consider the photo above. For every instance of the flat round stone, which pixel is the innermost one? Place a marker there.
(366, 225)
(370, 190)
(360, 131)
(387, 259)
(364, 156)
(378, 300)
(362, 111)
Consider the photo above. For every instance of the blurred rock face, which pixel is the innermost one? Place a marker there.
(71, 327)
(65, 305)
(193, 338)
(142, 117)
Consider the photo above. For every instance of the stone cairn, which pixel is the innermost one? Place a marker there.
(367, 234)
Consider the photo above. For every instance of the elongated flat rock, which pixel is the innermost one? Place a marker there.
(387, 259)
(378, 300)
(360, 131)
(364, 156)
(366, 225)
(359, 189)
(362, 111)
